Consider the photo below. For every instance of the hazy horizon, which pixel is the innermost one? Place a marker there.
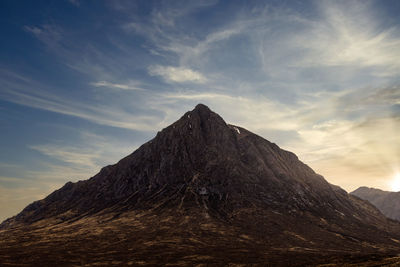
(83, 84)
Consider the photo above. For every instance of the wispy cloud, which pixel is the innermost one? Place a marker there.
(72, 155)
(190, 54)
(82, 160)
(349, 34)
(198, 96)
(343, 42)
(91, 59)
(20, 91)
(97, 114)
(48, 34)
(129, 86)
(177, 74)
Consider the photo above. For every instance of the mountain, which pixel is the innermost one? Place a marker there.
(201, 192)
(387, 202)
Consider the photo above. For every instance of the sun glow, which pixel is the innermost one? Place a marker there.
(395, 183)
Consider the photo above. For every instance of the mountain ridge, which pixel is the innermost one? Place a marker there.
(387, 202)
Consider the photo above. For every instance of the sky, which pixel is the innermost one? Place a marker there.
(85, 83)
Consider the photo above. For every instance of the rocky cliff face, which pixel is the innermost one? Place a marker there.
(203, 191)
(387, 202)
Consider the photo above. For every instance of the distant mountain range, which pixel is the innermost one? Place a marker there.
(387, 202)
(202, 192)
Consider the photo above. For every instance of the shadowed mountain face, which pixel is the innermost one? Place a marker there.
(387, 202)
(201, 191)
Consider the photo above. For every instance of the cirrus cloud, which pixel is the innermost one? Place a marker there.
(177, 74)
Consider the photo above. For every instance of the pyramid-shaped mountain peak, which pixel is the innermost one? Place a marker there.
(205, 180)
(198, 153)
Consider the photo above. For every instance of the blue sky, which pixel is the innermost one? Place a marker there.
(84, 83)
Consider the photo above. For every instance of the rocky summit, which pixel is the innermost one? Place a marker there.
(202, 192)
